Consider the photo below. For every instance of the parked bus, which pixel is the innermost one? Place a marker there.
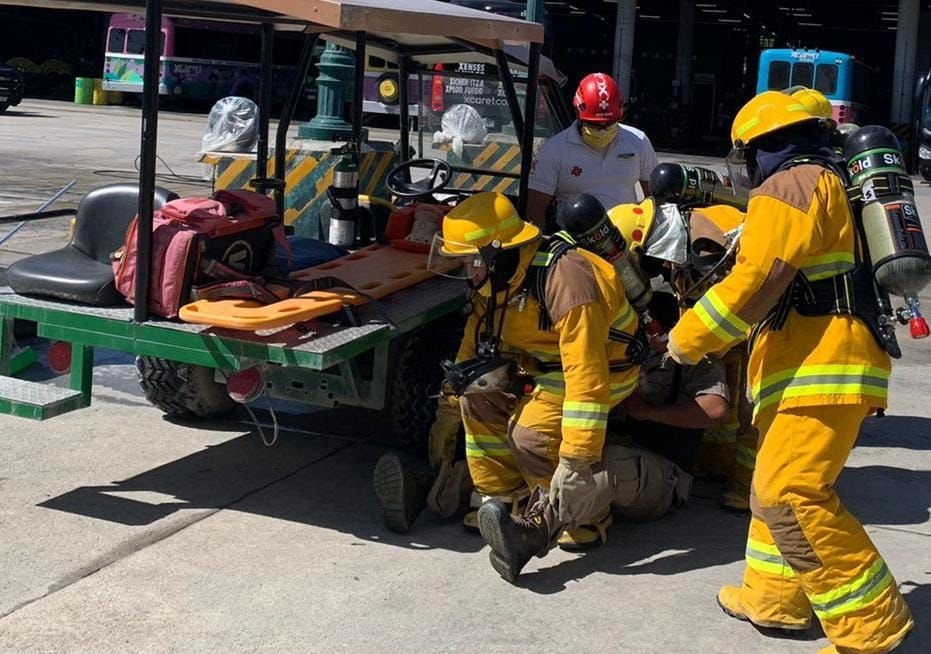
(845, 81)
(201, 60)
(920, 146)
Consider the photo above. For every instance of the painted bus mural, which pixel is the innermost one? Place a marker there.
(200, 60)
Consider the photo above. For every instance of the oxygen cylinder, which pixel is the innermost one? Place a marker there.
(343, 194)
(681, 184)
(891, 225)
(584, 218)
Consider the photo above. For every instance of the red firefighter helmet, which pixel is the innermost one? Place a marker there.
(598, 100)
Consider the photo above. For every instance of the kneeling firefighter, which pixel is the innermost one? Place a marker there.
(562, 314)
(818, 366)
(547, 351)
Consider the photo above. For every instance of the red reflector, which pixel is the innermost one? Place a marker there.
(918, 327)
(245, 385)
(637, 235)
(59, 357)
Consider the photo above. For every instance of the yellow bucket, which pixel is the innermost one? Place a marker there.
(100, 96)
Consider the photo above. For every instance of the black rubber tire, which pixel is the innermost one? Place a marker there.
(416, 376)
(183, 390)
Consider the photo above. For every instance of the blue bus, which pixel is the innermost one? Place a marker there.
(845, 81)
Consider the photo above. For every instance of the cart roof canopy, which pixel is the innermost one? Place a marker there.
(426, 31)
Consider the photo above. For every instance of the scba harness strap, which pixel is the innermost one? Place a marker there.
(555, 247)
(853, 292)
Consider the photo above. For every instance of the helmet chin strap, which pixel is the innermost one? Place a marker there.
(488, 342)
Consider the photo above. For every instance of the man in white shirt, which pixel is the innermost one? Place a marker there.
(594, 155)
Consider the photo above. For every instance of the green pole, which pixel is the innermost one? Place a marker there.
(334, 87)
(535, 11)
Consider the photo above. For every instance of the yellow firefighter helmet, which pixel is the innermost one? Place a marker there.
(484, 219)
(766, 113)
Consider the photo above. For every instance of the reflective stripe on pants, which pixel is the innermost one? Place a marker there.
(491, 464)
(805, 552)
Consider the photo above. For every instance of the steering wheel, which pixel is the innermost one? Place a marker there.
(440, 173)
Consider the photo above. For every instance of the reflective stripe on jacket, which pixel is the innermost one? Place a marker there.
(585, 300)
(799, 219)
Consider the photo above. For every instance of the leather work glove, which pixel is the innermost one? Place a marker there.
(444, 432)
(573, 493)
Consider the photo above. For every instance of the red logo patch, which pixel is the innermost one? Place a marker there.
(576, 171)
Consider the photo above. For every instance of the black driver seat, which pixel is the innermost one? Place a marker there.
(81, 271)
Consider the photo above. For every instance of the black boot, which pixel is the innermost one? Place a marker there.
(402, 487)
(514, 540)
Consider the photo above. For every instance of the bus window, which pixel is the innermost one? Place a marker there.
(845, 81)
(826, 78)
(778, 75)
(802, 74)
(135, 44)
(116, 40)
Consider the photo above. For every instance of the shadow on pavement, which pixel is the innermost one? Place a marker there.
(910, 432)
(883, 495)
(325, 481)
(918, 597)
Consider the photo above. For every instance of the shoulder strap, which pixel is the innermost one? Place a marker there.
(549, 253)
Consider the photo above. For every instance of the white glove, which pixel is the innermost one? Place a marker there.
(573, 493)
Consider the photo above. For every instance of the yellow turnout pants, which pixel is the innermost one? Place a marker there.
(805, 552)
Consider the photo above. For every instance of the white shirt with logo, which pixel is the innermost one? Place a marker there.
(565, 166)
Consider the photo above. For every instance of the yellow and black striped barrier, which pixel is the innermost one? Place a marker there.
(308, 173)
(496, 156)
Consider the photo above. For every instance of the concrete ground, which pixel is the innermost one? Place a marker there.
(122, 531)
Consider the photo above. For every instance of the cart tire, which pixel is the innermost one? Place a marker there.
(417, 376)
(183, 390)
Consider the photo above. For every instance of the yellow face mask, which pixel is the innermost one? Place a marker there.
(598, 138)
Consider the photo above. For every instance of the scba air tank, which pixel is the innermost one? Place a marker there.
(586, 221)
(693, 185)
(891, 224)
(343, 195)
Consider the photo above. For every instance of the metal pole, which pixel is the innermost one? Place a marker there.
(358, 91)
(624, 44)
(148, 152)
(260, 184)
(535, 11)
(404, 110)
(906, 42)
(281, 136)
(507, 80)
(530, 112)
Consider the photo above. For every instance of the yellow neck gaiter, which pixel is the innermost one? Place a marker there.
(598, 138)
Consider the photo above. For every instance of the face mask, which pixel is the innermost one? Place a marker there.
(598, 138)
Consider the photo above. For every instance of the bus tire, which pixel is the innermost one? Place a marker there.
(183, 390)
(416, 378)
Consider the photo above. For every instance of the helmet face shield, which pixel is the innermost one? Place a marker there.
(669, 238)
(738, 170)
(445, 261)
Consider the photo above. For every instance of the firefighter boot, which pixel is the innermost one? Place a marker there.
(514, 540)
(515, 502)
(587, 536)
(402, 489)
(729, 601)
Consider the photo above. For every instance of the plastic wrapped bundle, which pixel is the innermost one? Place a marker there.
(232, 126)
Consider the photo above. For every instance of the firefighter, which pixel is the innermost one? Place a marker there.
(596, 154)
(727, 451)
(814, 378)
(560, 315)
